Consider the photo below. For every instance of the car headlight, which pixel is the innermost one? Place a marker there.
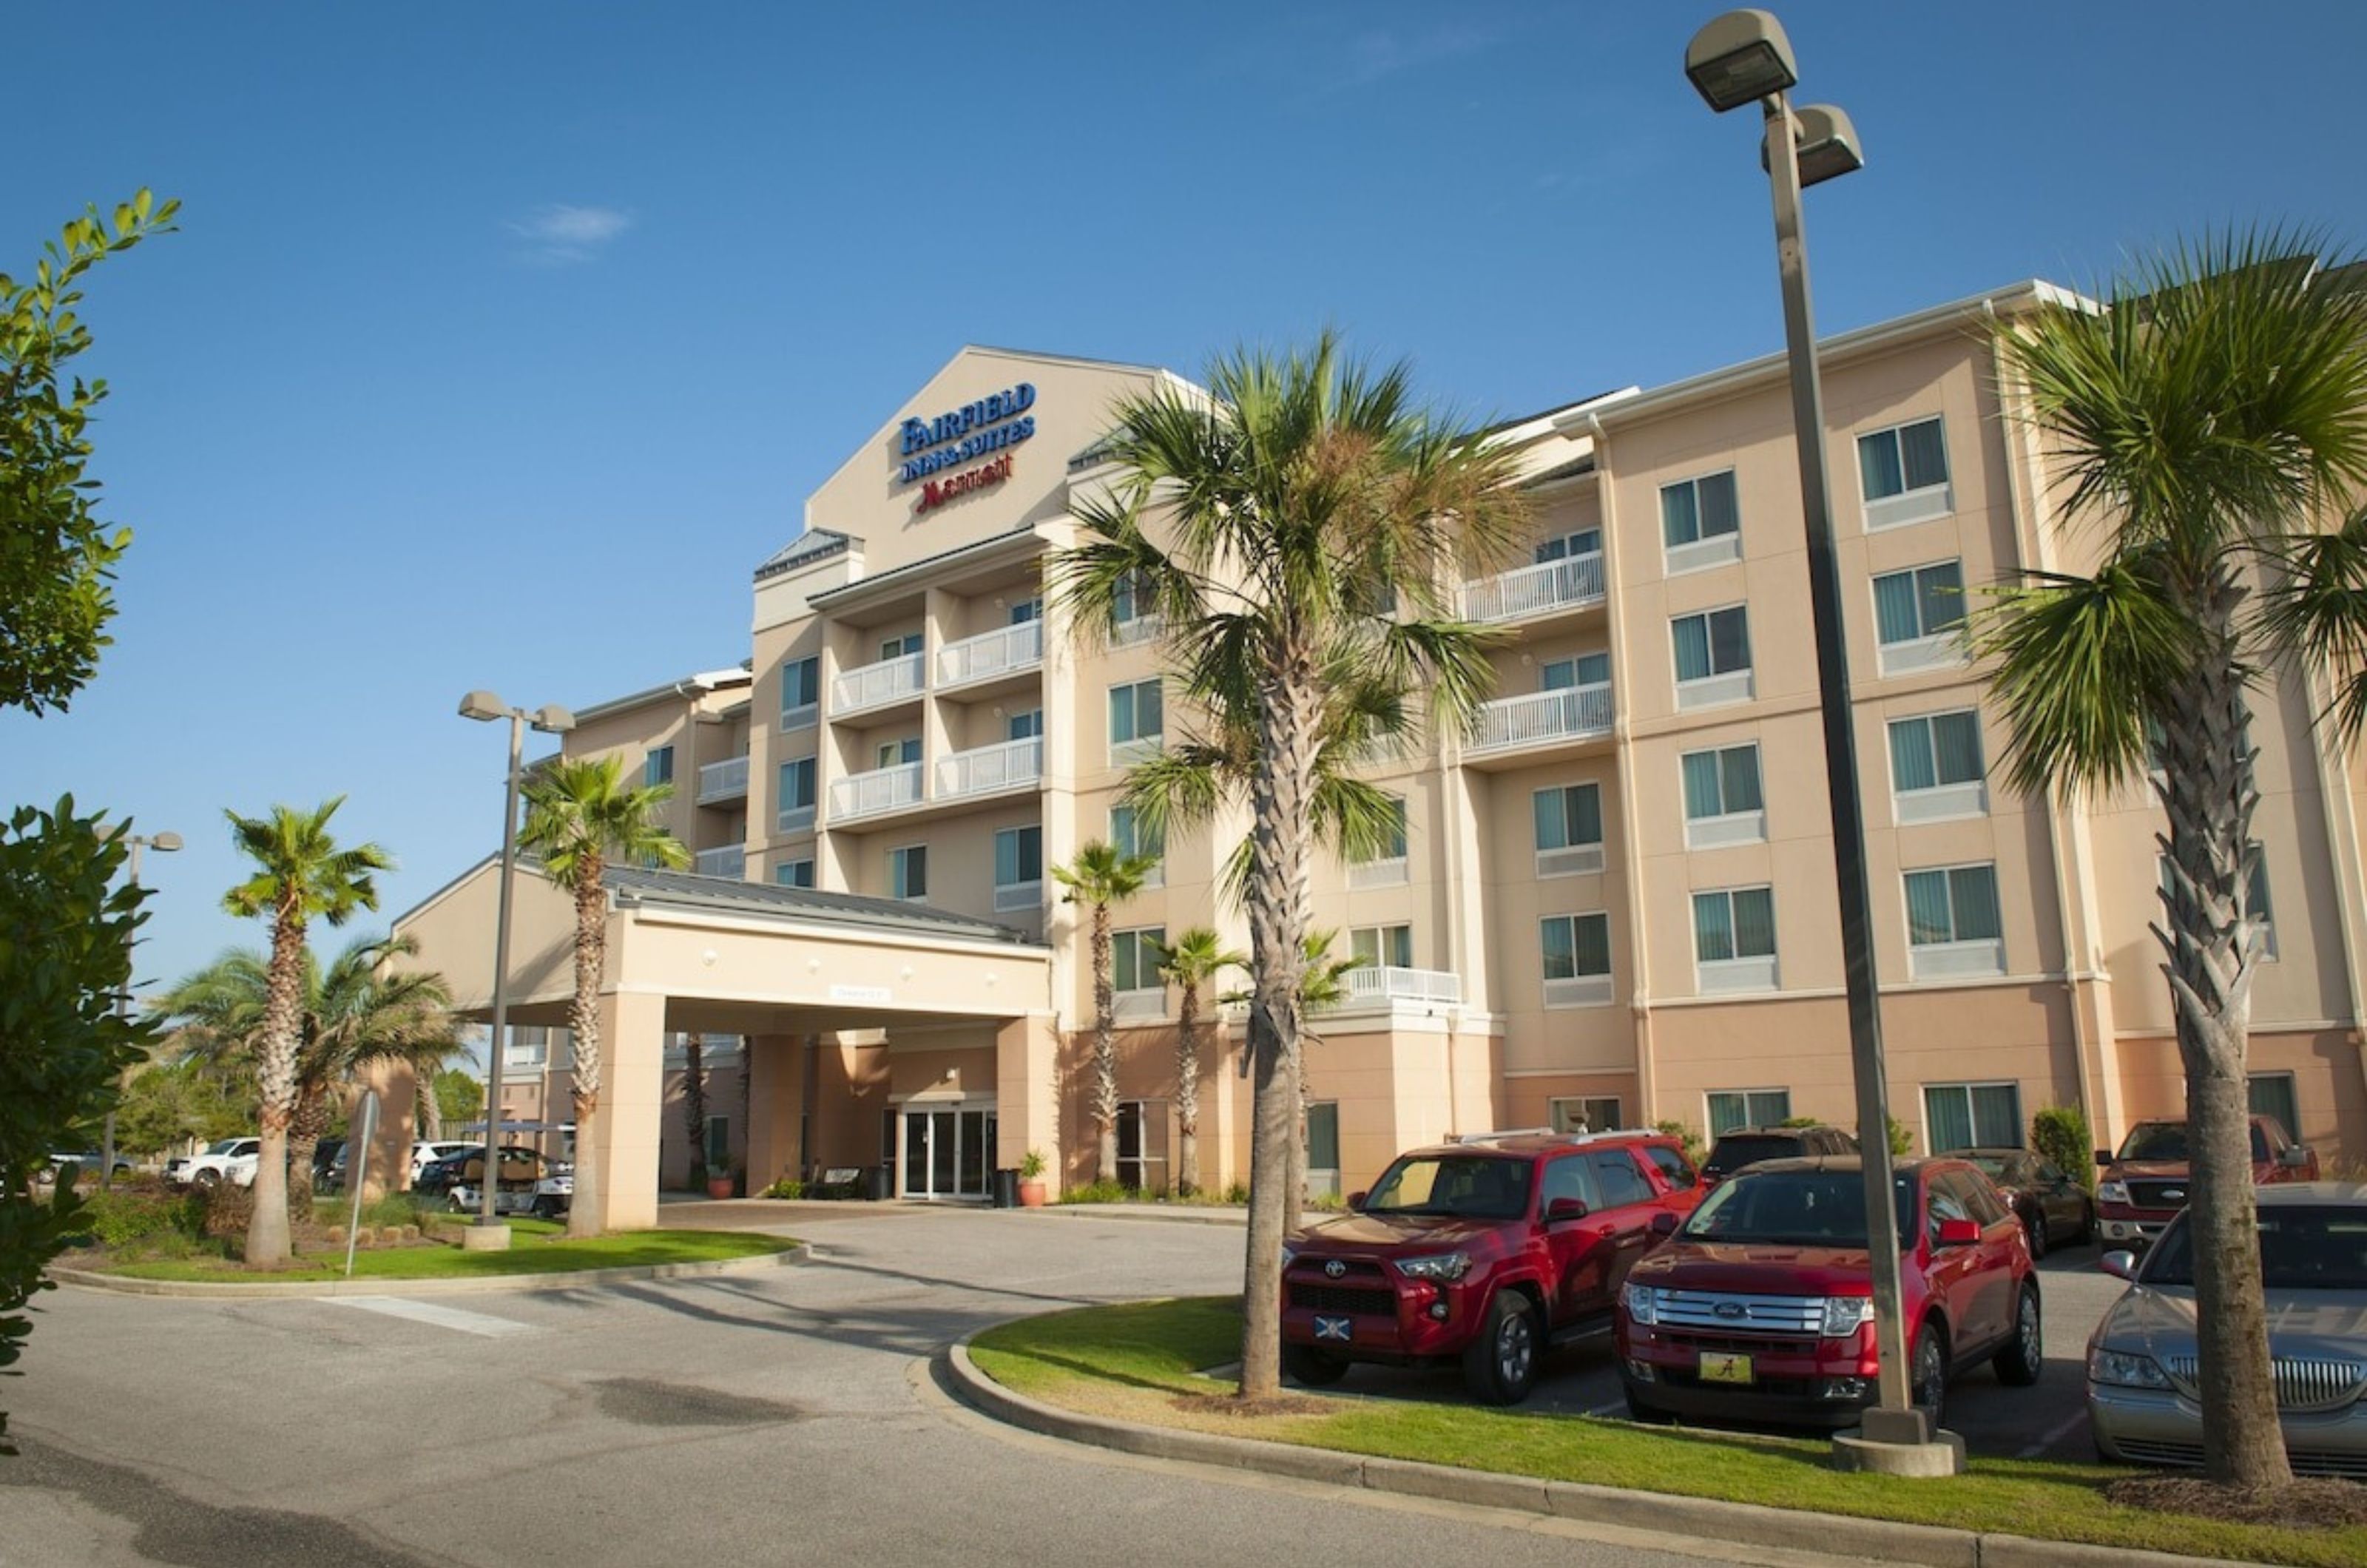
(1642, 1303)
(2112, 1193)
(1846, 1314)
(1289, 1255)
(1440, 1265)
(2125, 1368)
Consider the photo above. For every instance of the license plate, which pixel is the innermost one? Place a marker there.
(1335, 1330)
(1721, 1365)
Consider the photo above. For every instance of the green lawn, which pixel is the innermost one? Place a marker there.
(1139, 1363)
(536, 1248)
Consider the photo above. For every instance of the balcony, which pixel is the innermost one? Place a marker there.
(1002, 652)
(1011, 764)
(1385, 985)
(730, 860)
(720, 781)
(882, 789)
(1573, 583)
(1573, 712)
(876, 686)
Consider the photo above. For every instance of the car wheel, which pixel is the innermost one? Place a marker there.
(208, 1178)
(2037, 1229)
(1310, 1368)
(2024, 1355)
(1500, 1366)
(546, 1208)
(1930, 1384)
(1646, 1414)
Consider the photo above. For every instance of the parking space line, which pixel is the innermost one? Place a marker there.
(2054, 1437)
(431, 1312)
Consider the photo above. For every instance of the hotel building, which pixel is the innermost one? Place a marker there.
(1610, 903)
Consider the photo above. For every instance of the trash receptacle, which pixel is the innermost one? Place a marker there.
(877, 1185)
(1006, 1187)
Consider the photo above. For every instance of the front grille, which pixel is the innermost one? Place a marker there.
(1779, 1388)
(2304, 1461)
(2303, 1382)
(1723, 1312)
(1683, 1339)
(2145, 1451)
(1344, 1298)
(1357, 1269)
(2157, 1194)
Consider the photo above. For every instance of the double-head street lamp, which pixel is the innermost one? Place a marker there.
(550, 719)
(165, 844)
(1740, 57)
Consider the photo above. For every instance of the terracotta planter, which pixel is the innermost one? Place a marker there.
(718, 1187)
(1031, 1193)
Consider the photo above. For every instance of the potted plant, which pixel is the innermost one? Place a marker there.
(720, 1181)
(1031, 1179)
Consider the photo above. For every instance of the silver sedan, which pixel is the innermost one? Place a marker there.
(2144, 1377)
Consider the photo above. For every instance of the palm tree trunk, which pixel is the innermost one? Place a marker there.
(584, 1210)
(1187, 1091)
(693, 1105)
(2213, 945)
(311, 1119)
(1279, 801)
(431, 1110)
(1104, 1047)
(268, 1245)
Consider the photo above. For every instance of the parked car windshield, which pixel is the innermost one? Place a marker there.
(1476, 1186)
(1734, 1153)
(223, 1145)
(2166, 1141)
(1798, 1208)
(1997, 1167)
(2312, 1247)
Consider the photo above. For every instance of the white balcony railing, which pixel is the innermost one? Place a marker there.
(1569, 714)
(993, 653)
(1536, 590)
(1378, 986)
(726, 780)
(1010, 897)
(882, 789)
(1134, 633)
(990, 767)
(889, 680)
(730, 860)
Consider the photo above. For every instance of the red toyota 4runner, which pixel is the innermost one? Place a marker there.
(2145, 1184)
(1761, 1305)
(1490, 1249)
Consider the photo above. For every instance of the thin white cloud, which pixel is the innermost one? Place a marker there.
(559, 232)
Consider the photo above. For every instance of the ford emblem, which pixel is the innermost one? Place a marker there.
(1729, 1310)
(1335, 1268)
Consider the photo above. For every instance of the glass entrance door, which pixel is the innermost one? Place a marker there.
(946, 1153)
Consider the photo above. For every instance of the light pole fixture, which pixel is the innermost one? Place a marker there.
(1743, 56)
(550, 719)
(162, 843)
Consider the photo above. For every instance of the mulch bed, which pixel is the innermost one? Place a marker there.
(1231, 1405)
(2302, 1504)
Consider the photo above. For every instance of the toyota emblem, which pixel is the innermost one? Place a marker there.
(1335, 1268)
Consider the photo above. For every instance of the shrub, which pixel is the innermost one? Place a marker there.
(786, 1186)
(1328, 1203)
(1902, 1141)
(128, 1217)
(1695, 1152)
(2060, 1133)
(227, 1208)
(1099, 1192)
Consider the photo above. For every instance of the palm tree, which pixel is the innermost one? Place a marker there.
(300, 873)
(1102, 876)
(580, 815)
(2209, 417)
(1191, 961)
(1301, 532)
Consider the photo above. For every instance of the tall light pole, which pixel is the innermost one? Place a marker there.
(1740, 57)
(550, 719)
(164, 843)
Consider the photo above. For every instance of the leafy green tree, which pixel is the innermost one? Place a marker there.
(1102, 876)
(580, 816)
(1190, 962)
(2210, 419)
(167, 1104)
(300, 876)
(455, 1097)
(1301, 532)
(57, 559)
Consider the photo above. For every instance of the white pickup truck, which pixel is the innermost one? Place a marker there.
(224, 1159)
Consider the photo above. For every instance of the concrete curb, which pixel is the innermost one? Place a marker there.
(1746, 1524)
(1156, 1214)
(491, 1285)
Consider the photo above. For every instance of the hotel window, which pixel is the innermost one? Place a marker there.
(896, 753)
(1568, 546)
(794, 873)
(1134, 971)
(1700, 522)
(2256, 899)
(1129, 835)
(1583, 1115)
(2272, 1095)
(908, 872)
(801, 692)
(1386, 868)
(1919, 618)
(1024, 726)
(657, 767)
(1577, 954)
(1580, 672)
(1733, 1108)
(1133, 608)
(797, 795)
(1136, 716)
(718, 1152)
(530, 1046)
(1027, 610)
(1713, 656)
(1323, 1149)
(899, 647)
(1019, 868)
(1734, 940)
(1569, 829)
(1972, 1116)
(1723, 805)
(1936, 769)
(1953, 927)
(1382, 947)
(1903, 472)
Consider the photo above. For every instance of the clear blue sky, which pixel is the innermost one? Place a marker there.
(502, 341)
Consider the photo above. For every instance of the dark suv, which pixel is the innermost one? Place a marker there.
(1745, 1147)
(1488, 1249)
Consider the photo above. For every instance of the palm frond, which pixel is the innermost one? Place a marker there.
(2317, 609)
